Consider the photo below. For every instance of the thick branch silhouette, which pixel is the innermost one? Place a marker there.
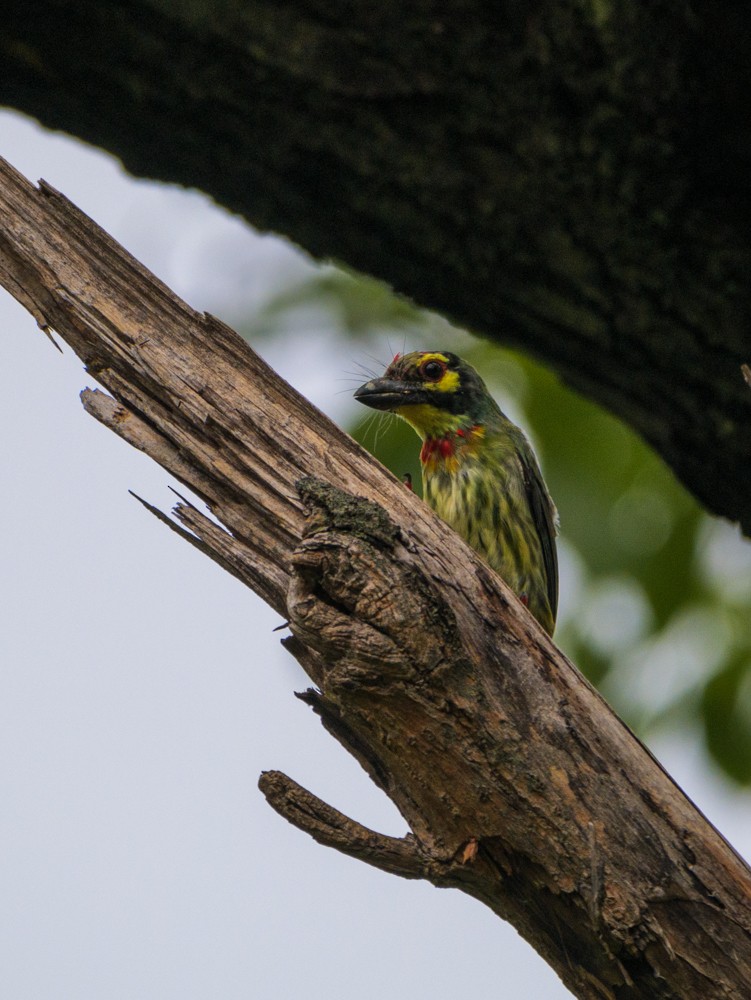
(568, 177)
(518, 783)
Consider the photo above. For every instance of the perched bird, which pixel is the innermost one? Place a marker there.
(479, 471)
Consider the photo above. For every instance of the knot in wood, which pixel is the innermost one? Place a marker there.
(359, 598)
(329, 508)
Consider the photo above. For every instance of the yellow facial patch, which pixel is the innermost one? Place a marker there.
(434, 421)
(429, 421)
(448, 381)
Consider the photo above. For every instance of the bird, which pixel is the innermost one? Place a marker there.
(479, 471)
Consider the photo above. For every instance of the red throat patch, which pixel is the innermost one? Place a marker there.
(442, 448)
(432, 447)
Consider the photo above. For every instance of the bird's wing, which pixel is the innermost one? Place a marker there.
(544, 517)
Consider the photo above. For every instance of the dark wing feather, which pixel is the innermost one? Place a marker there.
(544, 517)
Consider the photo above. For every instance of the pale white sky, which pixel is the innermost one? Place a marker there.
(142, 691)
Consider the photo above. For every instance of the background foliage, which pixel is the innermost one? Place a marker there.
(655, 594)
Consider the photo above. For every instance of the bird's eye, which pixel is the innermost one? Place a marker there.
(432, 370)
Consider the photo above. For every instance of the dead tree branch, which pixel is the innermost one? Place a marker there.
(518, 783)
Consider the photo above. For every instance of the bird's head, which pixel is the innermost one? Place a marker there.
(435, 391)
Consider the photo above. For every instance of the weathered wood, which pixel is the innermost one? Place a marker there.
(518, 783)
(568, 176)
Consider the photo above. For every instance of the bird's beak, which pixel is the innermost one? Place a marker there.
(387, 394)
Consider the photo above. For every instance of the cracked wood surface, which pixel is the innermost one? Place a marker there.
(519, 785)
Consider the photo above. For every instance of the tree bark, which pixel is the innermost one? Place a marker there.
(567, 176)
(518, 783)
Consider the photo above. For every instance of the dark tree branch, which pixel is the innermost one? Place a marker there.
(567, 176)
(518, 783)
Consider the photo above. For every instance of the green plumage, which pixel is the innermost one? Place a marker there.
(479, 471)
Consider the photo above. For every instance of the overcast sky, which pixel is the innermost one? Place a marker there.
(142, 691)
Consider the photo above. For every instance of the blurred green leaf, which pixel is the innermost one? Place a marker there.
(726, 716)
(394, 444)
(356, 305)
